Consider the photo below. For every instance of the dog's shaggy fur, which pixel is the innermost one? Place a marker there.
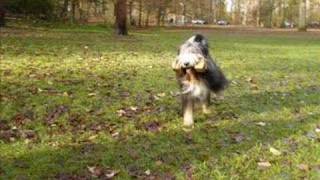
(196, 86)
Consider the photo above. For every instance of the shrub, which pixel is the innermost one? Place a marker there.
(36, 8)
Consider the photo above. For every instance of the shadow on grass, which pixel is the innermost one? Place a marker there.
(170, 151)
(270, 101)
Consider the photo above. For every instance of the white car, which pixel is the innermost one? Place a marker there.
(198, 21)
(222, 22)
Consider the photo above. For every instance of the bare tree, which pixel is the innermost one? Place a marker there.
(121, 17)
(64, 11)
(131, 20)
(302, 15)
(140, 13)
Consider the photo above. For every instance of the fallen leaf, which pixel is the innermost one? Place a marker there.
(28, 134)
(303, 167)
(109, 174)
(115, 134)
(251, 80)
(261, 123)
(134, 108)
(274, 151)
(158, 162)
(4, 125)
(147, 172)
(129, 112)
(93, 137)
(237, 137)
(95, 171)
(311, 135)
(254, 87)
(121, 112)
(189, 170)
(264, 164)
(152, 126)
(19, 119)
(92, 94)
(161, 94)
(156, 98)
(55, 114)
(9, 135)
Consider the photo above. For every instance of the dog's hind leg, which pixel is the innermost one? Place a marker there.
(205, 102)
(187, 109)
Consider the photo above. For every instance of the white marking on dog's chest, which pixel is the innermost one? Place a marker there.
(195, 89)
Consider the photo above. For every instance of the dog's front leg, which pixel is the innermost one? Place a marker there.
(187, 107)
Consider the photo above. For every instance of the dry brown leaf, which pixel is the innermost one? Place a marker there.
(55, 114)
(152, 126)
(237, 137)
(303, 167)
(264, 164)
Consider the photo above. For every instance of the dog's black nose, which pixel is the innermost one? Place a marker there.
(186, 64)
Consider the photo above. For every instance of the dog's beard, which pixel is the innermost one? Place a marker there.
(189, 81)
(192, 84)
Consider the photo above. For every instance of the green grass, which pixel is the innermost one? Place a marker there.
(93, 74)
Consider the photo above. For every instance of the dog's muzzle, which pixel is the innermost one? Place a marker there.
(194, 61)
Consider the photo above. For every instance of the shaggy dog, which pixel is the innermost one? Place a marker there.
(197, 75)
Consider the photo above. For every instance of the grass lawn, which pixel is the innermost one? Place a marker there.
(82, 103)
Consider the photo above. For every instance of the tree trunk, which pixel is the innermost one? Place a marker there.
(147, 18)
(64, 11)
(159, 16)
(140, 13)
(131, 20)
(258, 13)
(184, 13)
(104, 9)
(237, 12)
(211, 11)
(302, 15)
(121, 17)
(2, 15)
(73, 11)
(268, 22)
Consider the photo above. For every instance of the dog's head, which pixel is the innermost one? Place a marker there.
(192, 51)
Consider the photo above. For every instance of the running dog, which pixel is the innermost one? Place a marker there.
(198, 75)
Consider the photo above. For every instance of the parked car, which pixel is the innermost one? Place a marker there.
(288, 24)
(199, 21)
(314, 24)
(222, 22)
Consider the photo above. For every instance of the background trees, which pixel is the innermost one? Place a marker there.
(262, 13)
(2, 14)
